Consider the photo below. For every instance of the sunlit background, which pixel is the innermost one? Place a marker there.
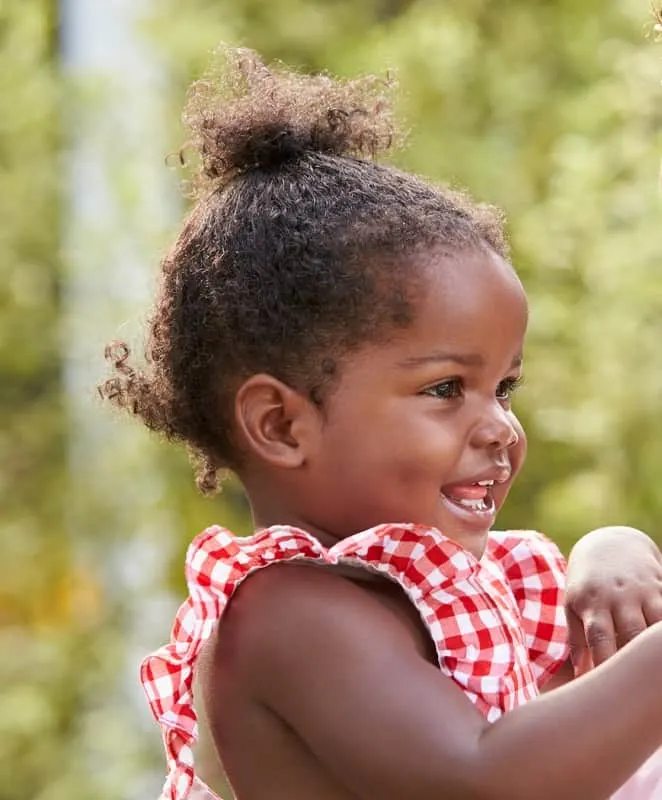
(549, 108)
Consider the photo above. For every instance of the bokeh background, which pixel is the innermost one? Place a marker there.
(550, 108)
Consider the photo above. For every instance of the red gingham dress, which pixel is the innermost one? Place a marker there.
(498, 623)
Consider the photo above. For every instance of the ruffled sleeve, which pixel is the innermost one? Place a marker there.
(214, 557)
(536, 573)
(216, 563)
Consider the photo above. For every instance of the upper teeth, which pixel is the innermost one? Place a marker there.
(477, 505)
(485, 483)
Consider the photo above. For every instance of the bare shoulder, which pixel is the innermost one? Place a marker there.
(292, 612)
(344, 667)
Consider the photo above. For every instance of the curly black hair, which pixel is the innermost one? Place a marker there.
(297, 249)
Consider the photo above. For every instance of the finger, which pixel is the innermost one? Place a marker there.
(579, 653)
(629, 623)
(600, 635)
(653, 610)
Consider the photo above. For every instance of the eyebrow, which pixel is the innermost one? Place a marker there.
(464, 359)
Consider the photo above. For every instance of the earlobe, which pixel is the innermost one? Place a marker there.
(273, 420)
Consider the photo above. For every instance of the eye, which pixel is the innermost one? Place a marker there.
(446, 390)
(507, 388)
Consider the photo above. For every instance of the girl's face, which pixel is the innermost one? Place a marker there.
(420, 429)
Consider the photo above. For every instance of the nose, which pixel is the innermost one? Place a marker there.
(496, 429)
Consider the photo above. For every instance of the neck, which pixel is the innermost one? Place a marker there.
(266, 516)
(275, 504)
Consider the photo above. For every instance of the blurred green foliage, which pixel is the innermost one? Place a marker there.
(552, 110)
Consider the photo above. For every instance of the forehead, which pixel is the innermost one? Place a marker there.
(471, 302)
(476, 287)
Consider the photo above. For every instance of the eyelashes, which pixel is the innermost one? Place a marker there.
(445, 390)
(508, 387)
(453, 388)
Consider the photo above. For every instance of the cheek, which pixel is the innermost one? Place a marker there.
(403, 441)
(381, 450)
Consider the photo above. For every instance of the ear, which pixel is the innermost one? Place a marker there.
(276, 422)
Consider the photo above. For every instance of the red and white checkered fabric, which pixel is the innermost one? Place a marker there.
(498, 623)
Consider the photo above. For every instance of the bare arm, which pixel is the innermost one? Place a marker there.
(347, 675)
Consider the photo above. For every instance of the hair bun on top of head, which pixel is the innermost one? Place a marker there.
(244, 116)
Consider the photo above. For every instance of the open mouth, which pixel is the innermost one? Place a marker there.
(475, 497)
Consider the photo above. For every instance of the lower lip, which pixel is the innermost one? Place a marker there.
(480, 519)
